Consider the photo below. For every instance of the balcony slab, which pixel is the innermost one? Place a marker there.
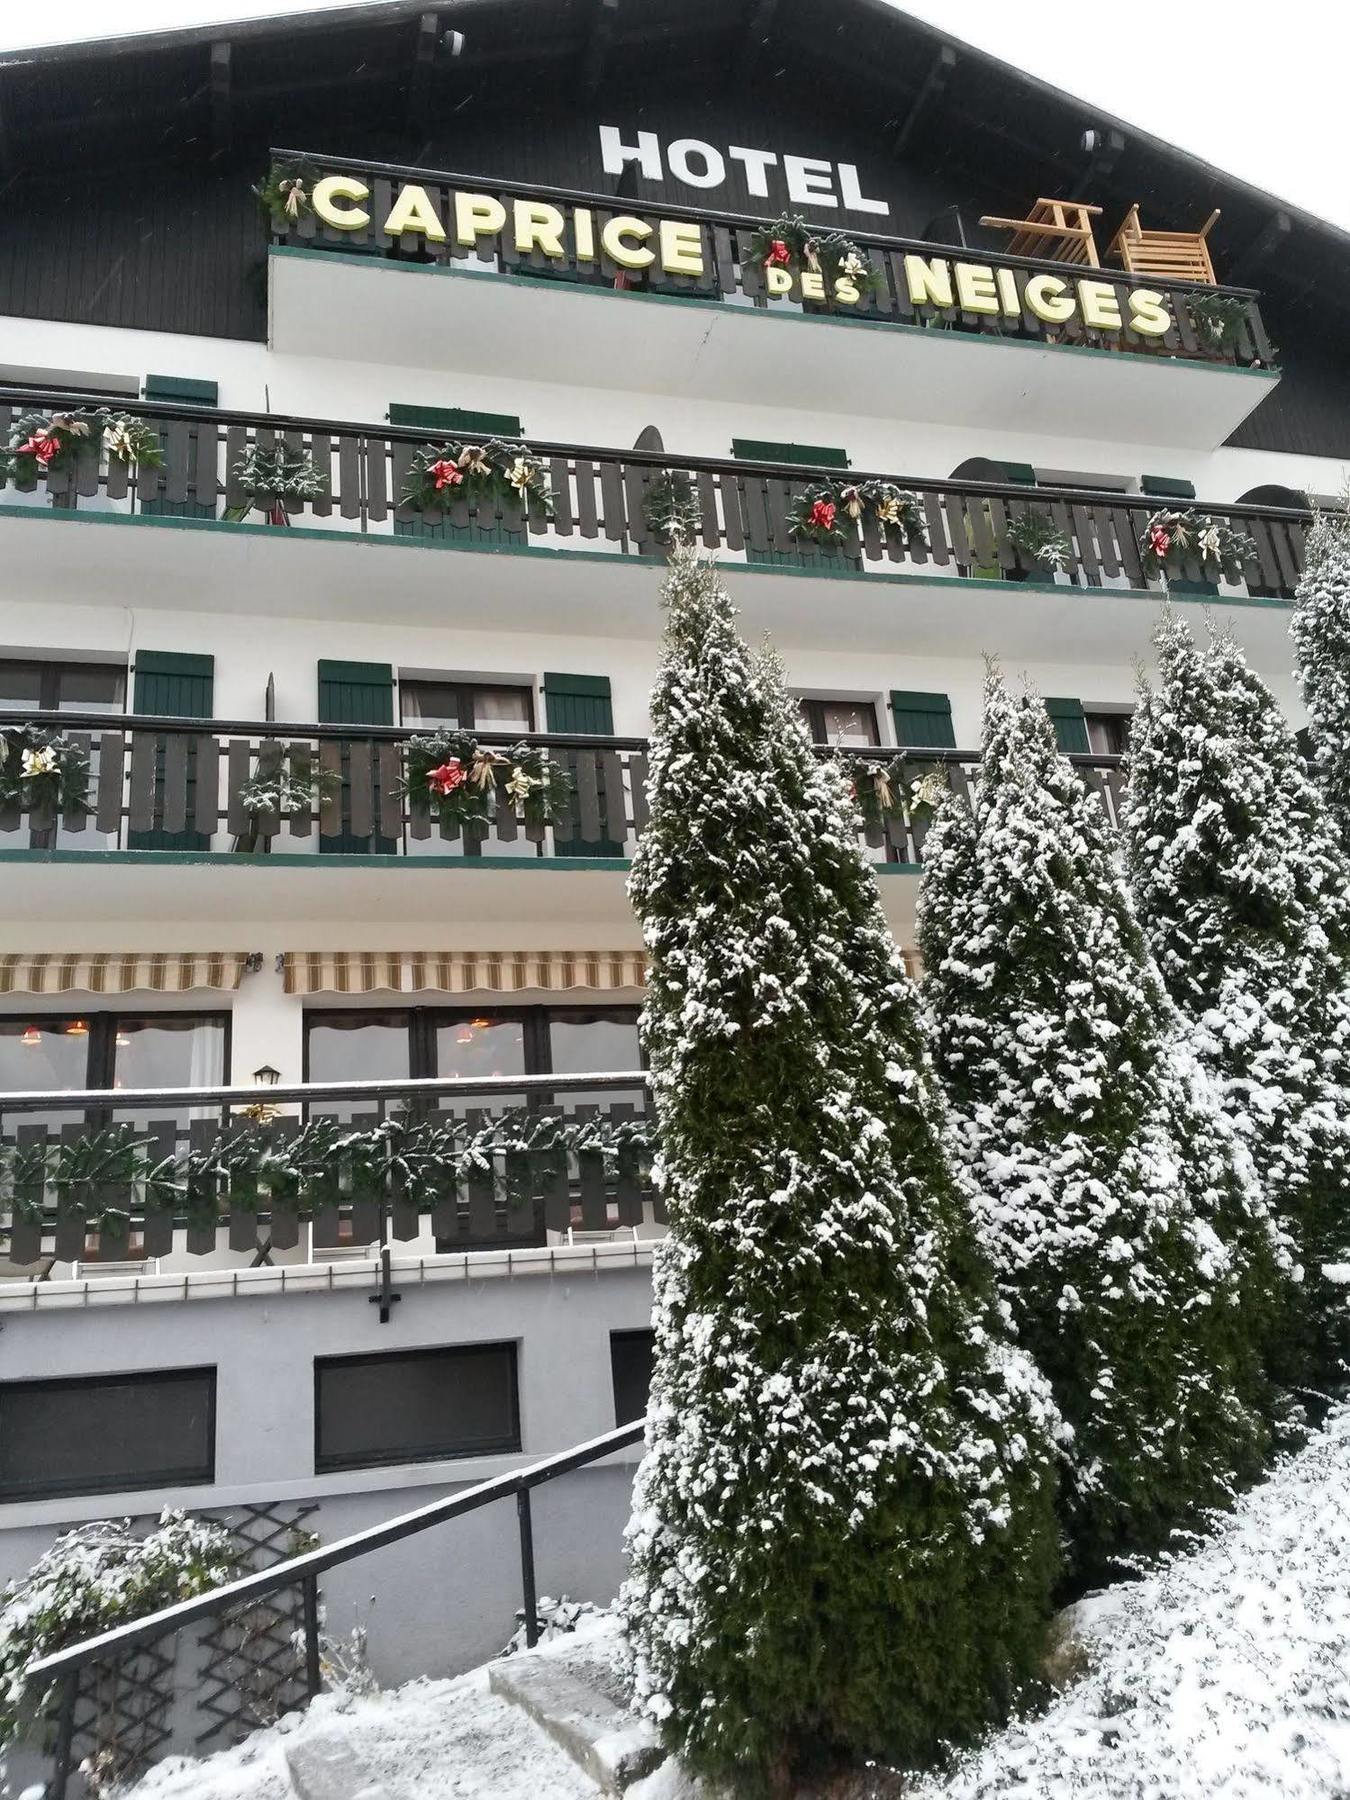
(324, 303)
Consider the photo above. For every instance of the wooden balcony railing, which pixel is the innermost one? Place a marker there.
(118, 1175)
(175, 784)
(601, 500)
(732, 274)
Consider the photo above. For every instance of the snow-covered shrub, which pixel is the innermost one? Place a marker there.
(1321, 633)
(552, 1619)
(1243, 890)
(92, 1579)
(1129, 1239)
(842, 1542)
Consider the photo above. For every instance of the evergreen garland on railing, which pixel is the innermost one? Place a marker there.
(42, 771)
(497, 470)
(249, 1166)
(453, 778)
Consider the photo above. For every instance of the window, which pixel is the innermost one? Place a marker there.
(630, 1361)
(852, 723)
(111, 1050)
(101, 1434)
(469, 1042)
(43, 686)
(414, 1406)
(1108, 730)
(466, 706)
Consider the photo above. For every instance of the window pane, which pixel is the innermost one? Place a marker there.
(100, 1434)
(168, 1052)
(1108, 733)
(413, 1406)
(599, 1040)
(630, 1360)
(480, 1046)
(428, 704)
(37, 1055)
(20, 683)
(367, 1046)
(90, 687)
(501, 709)
(849, 723)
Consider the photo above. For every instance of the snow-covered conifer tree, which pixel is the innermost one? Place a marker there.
(1127, 1237)
(1243, 890)
(1321, 632)
(843, 1539)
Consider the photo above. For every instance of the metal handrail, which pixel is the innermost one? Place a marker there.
(652, 459)
(316, 1092)
(313, 1563)
(274, 728)
(704, 215)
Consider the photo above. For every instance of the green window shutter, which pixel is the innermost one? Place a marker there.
(172, 685)
(353, 693)
(765, 450)
(579, 703)
(1021, 472)
(455, 419)
(582, 703)
(180, 391)
(922, 721)
(1164, 487)
(1070, 726)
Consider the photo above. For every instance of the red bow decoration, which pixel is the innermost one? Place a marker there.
(444, 474)
(447, 778)
(43, 447)
(778, 253)
(822, 514)
(1159, 541)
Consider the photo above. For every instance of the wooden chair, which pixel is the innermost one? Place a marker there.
(1166, 255)
(1060, 230)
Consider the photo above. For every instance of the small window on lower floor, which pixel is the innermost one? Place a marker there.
(103, 1434)
(849, 723)
(630, 1361)
(414, 1406)
(1108, 732)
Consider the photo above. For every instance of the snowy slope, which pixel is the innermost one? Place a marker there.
(1226, 1674)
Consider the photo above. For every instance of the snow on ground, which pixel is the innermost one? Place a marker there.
(1226, 1673)
(430, 1740)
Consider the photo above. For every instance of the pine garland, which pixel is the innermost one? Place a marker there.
(498, 471)
(790, 243)
(1171, 538)
(42, 771)
(285, 194)
(458, 781)
(670, 508)
(1243, 889)
(1131, 1244)
(271, 474)
(841, 1543)
(822, 511)
(1036, 537)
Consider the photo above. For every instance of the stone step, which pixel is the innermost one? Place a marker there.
(601, 1736)
(323, 1766)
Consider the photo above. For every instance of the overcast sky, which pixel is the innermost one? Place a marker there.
(1256, 88)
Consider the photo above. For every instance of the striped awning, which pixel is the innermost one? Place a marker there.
(117, 972)
(462, 971)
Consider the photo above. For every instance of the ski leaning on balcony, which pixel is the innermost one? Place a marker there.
(1138, 1280)
(1321, 632)
(1243, 890)
(842, 1542)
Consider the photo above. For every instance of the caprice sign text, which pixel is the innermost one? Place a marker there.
(570, 234)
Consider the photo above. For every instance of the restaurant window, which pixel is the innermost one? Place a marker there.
(850, 723)
(630, 1362)
(42, 1052)
(414, 1406)
(102, 1434)
(469, 1042)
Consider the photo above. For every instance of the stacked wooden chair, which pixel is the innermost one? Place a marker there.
(1061, 231)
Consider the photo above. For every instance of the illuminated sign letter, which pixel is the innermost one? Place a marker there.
(628, 256)
(538, 227)
(975, 290)
(1099, 306)
(477, 215)
(1049, 300)
(681, 247)
(333, 188)
(413, 211)
(1148, 313)
(929, 283)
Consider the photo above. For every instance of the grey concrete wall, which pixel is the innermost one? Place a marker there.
(444, 1600)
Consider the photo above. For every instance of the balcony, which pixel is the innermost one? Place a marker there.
(982, 350)
(320, 1170)
(590, 532)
